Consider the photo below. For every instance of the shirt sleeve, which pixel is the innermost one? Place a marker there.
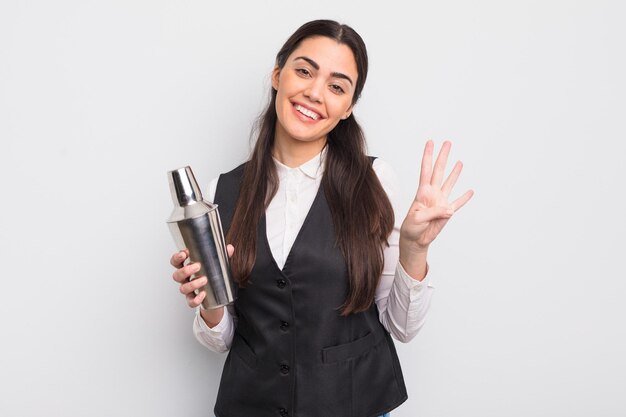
(401, 300)
(220, 337)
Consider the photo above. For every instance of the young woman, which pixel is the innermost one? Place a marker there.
(325, 274)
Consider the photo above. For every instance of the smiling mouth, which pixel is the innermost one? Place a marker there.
(308, 113)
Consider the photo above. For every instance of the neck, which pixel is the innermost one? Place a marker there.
(293, 153)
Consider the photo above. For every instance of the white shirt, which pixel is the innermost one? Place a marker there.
(401, 300)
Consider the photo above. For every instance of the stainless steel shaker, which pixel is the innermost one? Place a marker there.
(195, 224)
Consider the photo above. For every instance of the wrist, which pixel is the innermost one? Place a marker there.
(212, 317)
(414, 261)
(411, 247)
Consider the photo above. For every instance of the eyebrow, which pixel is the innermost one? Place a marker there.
(317, 67)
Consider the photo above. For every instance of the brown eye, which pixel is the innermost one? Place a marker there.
(337, 89)
(303, 71)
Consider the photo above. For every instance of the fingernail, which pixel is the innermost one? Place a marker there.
(196, 267)
(450, 212)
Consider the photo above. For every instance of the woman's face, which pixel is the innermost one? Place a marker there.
(314, 90)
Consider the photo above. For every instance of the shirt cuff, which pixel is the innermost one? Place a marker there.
(412, 284)
(215, 330)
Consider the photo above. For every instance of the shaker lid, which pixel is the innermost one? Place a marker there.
(184, 187)
(187, 197)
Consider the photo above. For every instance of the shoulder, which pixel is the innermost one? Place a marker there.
(234, 173)
(389, 181)
(386, 174)
(227, 179)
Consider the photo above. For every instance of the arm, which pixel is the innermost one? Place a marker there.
(215, 328)
(402, 301)
(219, 337)
(430, 210)
(428, 214)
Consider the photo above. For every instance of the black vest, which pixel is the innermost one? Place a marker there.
(293, 354)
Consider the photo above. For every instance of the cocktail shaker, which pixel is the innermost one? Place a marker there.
(195, 224)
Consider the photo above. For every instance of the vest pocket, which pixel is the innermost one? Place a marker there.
(349, 350)
(241, 349)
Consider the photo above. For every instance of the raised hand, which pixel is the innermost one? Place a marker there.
(430, 210)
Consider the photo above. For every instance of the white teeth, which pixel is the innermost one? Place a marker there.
(307, 112)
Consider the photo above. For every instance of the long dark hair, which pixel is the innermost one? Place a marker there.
(361, 212)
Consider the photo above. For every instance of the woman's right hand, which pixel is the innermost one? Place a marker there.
(188, 287)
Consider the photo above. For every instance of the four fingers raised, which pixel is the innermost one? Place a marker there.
(433, 176)
(427, 163)
(460, 202)
(451, 180)
(440, 164)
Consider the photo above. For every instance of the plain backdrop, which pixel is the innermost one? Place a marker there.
(99, 99)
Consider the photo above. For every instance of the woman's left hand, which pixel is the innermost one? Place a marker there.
(430, 210)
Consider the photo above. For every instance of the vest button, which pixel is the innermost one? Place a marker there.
(284, 369)
(284, 326)
(283, 412)
(281, 283)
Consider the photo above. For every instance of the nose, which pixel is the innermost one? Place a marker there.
(314, 91)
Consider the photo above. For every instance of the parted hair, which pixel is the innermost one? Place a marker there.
(361, 211)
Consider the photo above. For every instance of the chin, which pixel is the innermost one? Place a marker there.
(307, 138)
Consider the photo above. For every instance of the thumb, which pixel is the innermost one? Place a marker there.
(432, 213)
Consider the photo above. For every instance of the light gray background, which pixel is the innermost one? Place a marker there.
(99, 99)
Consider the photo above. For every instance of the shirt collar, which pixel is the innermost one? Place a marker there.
(313, 168)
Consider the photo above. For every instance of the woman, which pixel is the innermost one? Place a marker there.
(324, 277)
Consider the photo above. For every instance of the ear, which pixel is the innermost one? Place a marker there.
(347, 113)
(275, 77)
